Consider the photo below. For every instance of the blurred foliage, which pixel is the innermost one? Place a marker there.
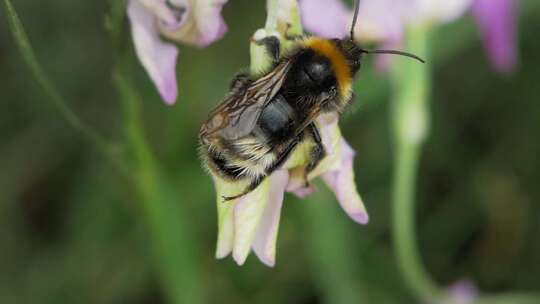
(72, 231)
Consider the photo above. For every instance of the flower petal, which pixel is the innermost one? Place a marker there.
(379, 21)
(264, 244)
(497, 24)
(157, 57)
(225, 239)
(422, 11)
(336, 170)
(297, 183)
(462, 292)
(201, 26)
(331, 140)
(328, 19)
(247, 215)
(342, 183)
(384, 62)
(168, 12)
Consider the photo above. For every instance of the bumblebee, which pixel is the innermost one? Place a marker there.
(254, 130)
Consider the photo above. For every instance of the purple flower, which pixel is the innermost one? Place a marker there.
(251, 222)
(497, 24)
(434, 11)
(378, 20)
(194, 22)
(335, 22)
(384, 21)
(461, 292)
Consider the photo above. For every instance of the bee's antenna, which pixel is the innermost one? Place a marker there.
(393, 52)
(355, 17)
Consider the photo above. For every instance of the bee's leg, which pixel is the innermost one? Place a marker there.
(282, 157)
(272, 46)
(292, 37)
(240, 81)
(317, 153)
(252, 186)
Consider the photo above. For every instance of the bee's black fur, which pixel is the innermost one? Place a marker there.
(221, 164)
(311, 74)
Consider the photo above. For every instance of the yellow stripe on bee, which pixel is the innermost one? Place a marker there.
(339, 63)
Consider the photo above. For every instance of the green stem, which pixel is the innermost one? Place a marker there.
(405, 242)
(172, 243)
(412, 85)
(173, 248)
(30, 59)
(144, 159)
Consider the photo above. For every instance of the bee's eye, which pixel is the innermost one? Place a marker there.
(355, 66)
(333, 91)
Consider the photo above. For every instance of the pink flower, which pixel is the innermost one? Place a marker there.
(461, 292)
(384, 21)
(335, 22)
(194, 22)
(378, 20)
(251, 222)
(434, 11)
(497, 24)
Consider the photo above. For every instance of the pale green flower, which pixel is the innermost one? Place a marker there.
(251, 222)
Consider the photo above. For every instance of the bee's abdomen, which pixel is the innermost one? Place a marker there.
(222, 165)
(252, 155)
(245, 158)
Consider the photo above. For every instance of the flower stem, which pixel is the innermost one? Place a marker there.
(171, 239)
(411, 83)
(405, 242)
(30, 59)
(173, 247)
(412, 87)
(282, 19)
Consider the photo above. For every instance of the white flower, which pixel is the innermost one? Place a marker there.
(194, 22)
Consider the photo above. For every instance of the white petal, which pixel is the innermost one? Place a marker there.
(437, 10)
(264, 244)
(157, 57)
(331, 140)
(343, 185)
(225, 239)
(201, 25)
(380, 21)
(247, 215)
(160, 10)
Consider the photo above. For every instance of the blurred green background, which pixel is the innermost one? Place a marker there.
(73, 231)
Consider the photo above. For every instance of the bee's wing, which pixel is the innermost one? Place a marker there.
(237, 115)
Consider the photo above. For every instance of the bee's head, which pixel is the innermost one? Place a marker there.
(353, 51)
